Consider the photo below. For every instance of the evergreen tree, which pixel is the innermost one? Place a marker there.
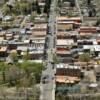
(38, 7)
(10, 7)
(59, 3)
(72, 3)
(47, 6)
(88, 2)
(33, 6)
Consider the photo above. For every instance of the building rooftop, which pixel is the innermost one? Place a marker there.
(3, 49)
(64, 65)
(65, 41)
(66, 79)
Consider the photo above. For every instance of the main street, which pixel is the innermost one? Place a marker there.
(48, 88)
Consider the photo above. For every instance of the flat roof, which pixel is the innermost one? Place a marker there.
(22, 48)
(63, 51)
(92, 47)
(65, 22)
(39, 33)
(63, 65)
(37, 52)
(65, 41)
(68, 18)
(66, 79)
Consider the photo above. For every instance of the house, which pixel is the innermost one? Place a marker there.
(39, 34)
(85, 42)
(66, 80)
(64, 56)
(12, 45)
(33, 53)
(35, 48)
(9, 36)
(39, 30)
(36, 55)
(66, 19)
(85, 31)
(63, 50)
(3, 52)
(65, 26)
(92, 48)
(68, 24)
(85, 65)
(67, 73)
(2, 35)
(40, 20)
(65, 42)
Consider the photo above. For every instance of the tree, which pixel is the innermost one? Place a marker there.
(36, 94)
(6, 9)
(3, 68)
(26, 66)
(16, 9)
(10, 7)
(24, 82)
(32, 69)
(38, 7)
(98, 22)
(85, 57)
(34, 6)
(32, 17)
(55, 59)
(59, 3)
(13, 75)
(47, 6)
(45, 9)
(88, 2)
(14, 56)
(72, 3)
(5, 1)
(26, 55)
(60, 96)
(25, 7)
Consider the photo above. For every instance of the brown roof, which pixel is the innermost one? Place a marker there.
(39, 33)
(88, 29)
(66, 79)
(62, 52)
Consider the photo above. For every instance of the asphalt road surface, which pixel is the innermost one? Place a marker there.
(48, 88)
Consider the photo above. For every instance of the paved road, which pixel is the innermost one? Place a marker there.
(48, 89)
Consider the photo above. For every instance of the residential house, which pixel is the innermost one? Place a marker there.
(66, 74)
(87, 31)
(3, 52)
